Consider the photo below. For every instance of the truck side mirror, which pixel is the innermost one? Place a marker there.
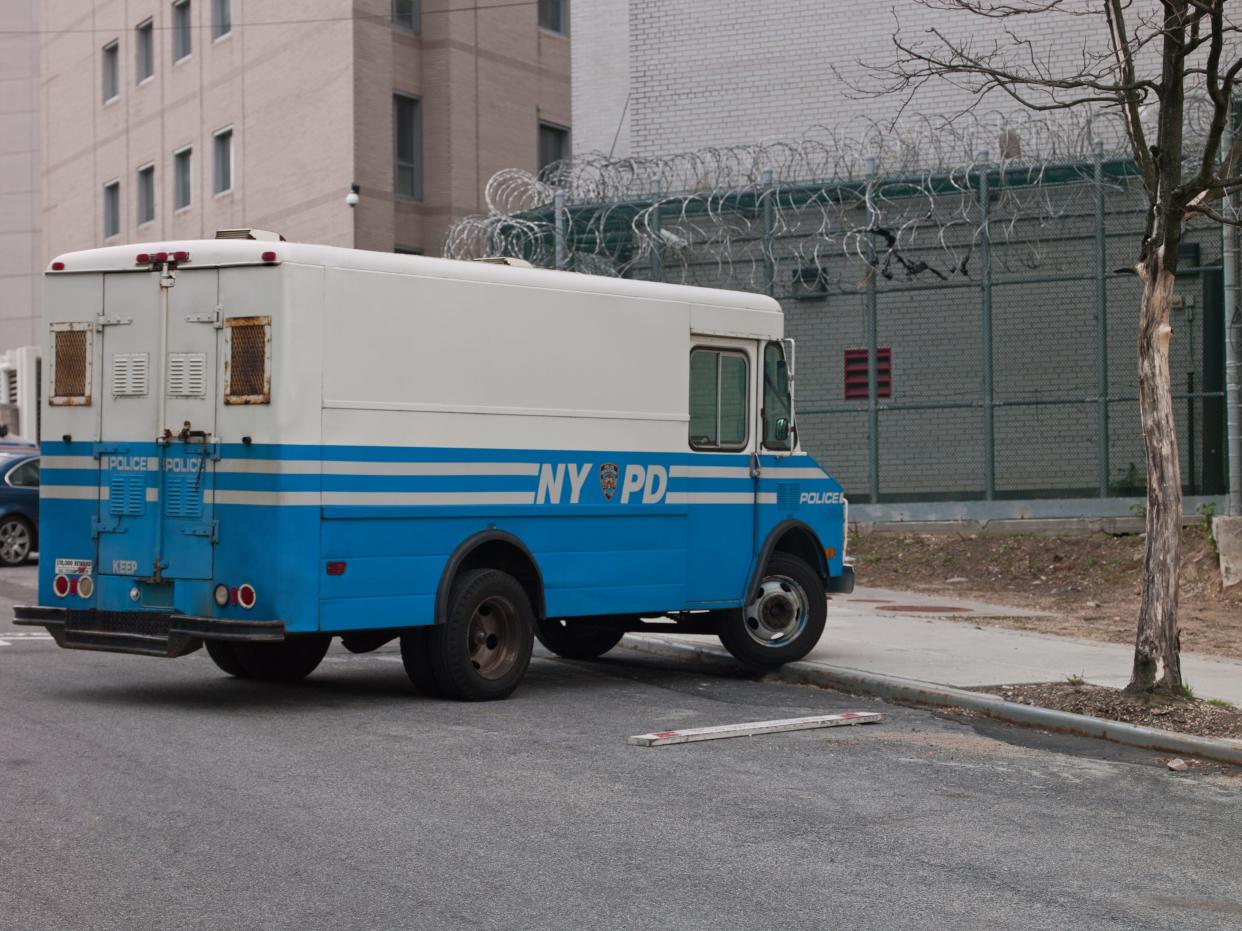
(782, 429)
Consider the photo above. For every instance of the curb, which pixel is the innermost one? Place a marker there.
(859, 682)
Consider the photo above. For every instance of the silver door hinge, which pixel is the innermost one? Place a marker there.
(102, 321)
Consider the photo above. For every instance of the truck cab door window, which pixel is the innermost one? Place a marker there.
(777, 404)
(718, 380)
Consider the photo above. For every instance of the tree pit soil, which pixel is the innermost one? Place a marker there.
(1184, 715)
(1088, 583)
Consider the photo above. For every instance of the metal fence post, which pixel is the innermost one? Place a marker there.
(873, 409)
(769, 235)
(562, 257)
(985, 296)
(657, 264)
(1101, 323)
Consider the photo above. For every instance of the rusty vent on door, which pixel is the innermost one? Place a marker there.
(248, 378)
(71, 363)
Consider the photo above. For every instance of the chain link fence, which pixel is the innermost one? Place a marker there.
(965, 331)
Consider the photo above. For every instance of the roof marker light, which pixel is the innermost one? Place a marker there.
(144, 258)
(58, 266)
(269, 256)
(181, 256)
(160, 257)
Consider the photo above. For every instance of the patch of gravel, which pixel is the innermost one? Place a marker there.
(1185, 715)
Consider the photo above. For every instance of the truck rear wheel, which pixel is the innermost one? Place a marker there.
(482, 650)
(784, 621)
(286, 661)
(577, 639)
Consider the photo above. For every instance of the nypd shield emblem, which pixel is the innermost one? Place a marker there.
(608, 480)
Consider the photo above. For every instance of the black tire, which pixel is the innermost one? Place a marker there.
(577, 639)
(417, 661)
(16, 540)
(482, 650)
(221, 653)
(784, 622)
(286, 661)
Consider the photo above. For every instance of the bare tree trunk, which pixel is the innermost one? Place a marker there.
(1156, 660)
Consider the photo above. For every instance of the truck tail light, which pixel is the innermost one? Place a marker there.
(60, 586)
(246, 596)
(336, 568)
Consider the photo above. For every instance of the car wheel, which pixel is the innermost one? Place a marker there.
(784, 621)
(16, 541)
(482, 650)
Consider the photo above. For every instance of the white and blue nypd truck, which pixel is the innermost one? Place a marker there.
(256, 446)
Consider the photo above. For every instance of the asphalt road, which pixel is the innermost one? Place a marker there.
(142, 793)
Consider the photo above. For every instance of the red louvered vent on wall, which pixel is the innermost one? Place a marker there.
(856, 373)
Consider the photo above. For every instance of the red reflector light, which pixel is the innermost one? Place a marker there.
(246, 596)
(144, 258)
(336, 568)
(160, 257)
(58, 266)
(181, 256)
(269, 256)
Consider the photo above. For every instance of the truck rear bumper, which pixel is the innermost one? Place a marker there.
(149, 633)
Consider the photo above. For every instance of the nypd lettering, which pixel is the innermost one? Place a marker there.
(563, 482)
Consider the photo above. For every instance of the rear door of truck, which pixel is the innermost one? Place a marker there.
(158, 420)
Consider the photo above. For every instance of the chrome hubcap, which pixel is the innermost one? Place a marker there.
(492, 637)
(14, 541)
(779, 613)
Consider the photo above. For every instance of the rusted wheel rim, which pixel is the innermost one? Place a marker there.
(780, 612)
(494, 637)
(14, 541)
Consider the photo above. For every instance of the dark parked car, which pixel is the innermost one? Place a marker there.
(19, 506)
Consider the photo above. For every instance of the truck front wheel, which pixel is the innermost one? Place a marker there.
(784, 621)
(482, 650)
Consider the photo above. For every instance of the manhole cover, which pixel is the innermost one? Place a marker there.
(927, 609)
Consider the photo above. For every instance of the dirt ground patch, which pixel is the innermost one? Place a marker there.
(1088, 583)
(1185, 715)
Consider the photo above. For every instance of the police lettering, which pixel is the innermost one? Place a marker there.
(820, 497)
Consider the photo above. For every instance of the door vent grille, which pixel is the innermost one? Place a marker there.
(187, 374)
(183, 495)
(247, 372)
(127, 495)
(71, 363)
(787, 495)
(129, 374)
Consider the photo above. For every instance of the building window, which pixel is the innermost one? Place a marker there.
(221, 18)
(146, 194)
(222, 173)
(718, 380)
(112, 209)
(407, 122)
(181, 179)
(553, 144)
(856, 374)
(408, 14)
(554, 16)
(144, 51)
(111, 72)
(182, 38)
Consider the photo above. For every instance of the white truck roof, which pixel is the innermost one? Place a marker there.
(713, 310)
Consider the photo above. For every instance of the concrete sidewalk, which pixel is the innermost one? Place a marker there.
(905, 634)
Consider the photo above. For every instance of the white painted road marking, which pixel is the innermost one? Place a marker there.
(693, 734)
(8, 639)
